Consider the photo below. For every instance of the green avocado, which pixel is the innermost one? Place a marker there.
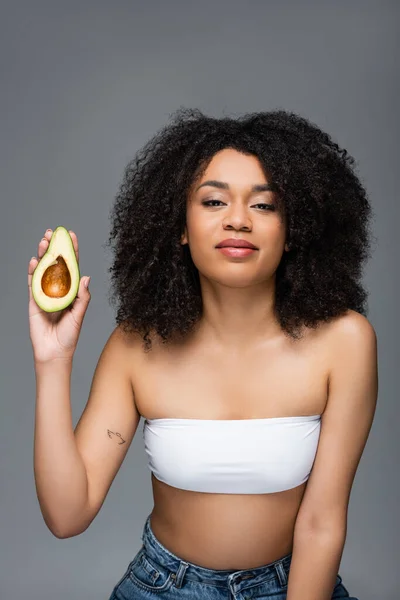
(55, 281)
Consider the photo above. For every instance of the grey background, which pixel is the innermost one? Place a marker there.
(83, 86)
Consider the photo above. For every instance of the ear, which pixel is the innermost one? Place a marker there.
(184, 239)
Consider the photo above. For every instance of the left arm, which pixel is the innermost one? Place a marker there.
(321, 523)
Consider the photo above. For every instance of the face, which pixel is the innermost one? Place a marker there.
(232, 209)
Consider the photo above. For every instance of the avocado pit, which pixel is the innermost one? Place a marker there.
(56, 280)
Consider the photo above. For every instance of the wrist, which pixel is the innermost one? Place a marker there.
(53, 364)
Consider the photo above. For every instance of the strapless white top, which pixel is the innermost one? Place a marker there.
(234, 456)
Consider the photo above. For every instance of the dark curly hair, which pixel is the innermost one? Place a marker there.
(154, 281)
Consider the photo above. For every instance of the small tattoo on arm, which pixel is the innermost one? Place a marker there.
(112, 435)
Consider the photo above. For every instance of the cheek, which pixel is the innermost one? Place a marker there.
(202, 230)
(275, 233)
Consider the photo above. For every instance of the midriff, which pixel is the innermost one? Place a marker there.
(225, 531)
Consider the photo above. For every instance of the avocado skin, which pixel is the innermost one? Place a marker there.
(60, 244)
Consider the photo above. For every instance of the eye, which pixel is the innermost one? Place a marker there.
(208, 202)
(269, 206)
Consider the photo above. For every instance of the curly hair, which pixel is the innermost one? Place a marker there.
(154, 282)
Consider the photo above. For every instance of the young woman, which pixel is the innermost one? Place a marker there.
(242, 341)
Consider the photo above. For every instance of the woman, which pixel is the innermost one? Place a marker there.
(255, 370)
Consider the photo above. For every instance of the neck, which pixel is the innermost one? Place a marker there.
(238, 317)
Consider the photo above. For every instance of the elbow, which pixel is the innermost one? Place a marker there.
(63, 533)
(331, 521)
(63, 528)
(334, 530)
(60, 535)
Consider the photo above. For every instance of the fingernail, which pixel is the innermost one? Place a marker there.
(47, 230)
(86, 282)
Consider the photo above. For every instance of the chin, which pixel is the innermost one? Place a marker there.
(235, 281)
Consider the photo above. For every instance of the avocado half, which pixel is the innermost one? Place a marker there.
(55, 281)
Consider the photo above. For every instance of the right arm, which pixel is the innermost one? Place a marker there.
(75, 469)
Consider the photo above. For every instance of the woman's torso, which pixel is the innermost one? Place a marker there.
(194, 380)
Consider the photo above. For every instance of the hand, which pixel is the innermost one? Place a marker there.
(55, 335)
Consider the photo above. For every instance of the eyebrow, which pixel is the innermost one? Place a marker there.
(264, 187)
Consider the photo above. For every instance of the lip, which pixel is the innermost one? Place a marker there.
(236, 252)
(236, 243)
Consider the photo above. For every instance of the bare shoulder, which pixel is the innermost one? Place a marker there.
(340, 336)
(345, 337)
(350, 330)
(128, 347)
(125, 338)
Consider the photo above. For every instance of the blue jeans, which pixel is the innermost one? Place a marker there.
(155, 572)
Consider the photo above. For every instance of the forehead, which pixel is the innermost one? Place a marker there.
(234, 167)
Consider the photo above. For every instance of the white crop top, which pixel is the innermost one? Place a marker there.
(235, 456)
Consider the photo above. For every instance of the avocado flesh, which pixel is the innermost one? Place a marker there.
(55, 281)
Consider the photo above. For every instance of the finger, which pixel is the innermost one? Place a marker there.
(81, 302)
(31, 268)
(44, 244)
(75, 243)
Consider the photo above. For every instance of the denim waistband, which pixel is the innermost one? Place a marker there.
(278, 569)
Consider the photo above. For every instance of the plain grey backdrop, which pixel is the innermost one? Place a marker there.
(83, 86)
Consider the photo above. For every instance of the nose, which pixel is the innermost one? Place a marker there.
(237, 218)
